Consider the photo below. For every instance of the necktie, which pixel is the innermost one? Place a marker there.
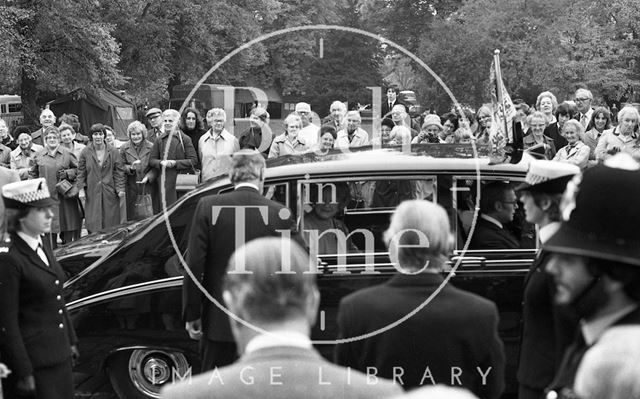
(583, 120)
(41, 254)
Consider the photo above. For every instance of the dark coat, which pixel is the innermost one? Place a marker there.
(455, 329)
(552, 131)
(35, 329)
(102, 183)
(36, 137)
(385, 111)
(186, 159)
(487, 235)
(547, 329)
(548, 153)
(67, 215)
(210, 246)
(128, 155)
(195, 135)
(5, 156)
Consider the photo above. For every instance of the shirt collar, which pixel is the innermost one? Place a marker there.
(491, 220)
(246, 185)
(31, 241)
(548, 231)
(592, 330)
(278, 338)
(223, 135)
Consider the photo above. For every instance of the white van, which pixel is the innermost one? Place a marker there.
(11, 110)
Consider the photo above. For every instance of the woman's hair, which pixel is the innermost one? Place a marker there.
(451, 117)
(600, 111)
(537, 115)
(291, 118)
(328, 129)
(553, 212)
(576, 124)
(183, 119)
(97, 128)
(137, 126)
(51, 130)
(65, 126)
(629, 110)
(554, 100)
(13, 216)
(71, 120)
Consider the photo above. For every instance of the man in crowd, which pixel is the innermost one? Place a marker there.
(22, 158)
(220, 224)
(5, 137)
(47, 119)
(216, 145)
(154, 117)
(309, 133)
(352, 135)
(277, 357)
(498, 204)
(584, 98)
(337, 111)
(392, 101)
(455, 333)
(596, 257)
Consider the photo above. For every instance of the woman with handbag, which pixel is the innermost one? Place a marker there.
(58, 166)
(139, 175)
(100, 181)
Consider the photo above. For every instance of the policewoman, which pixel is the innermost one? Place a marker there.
(37, 341)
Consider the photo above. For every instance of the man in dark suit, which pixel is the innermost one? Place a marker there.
(221, 223)
(498, 204)
(391, 100)
(449, 339)
(595, 261)
(273, 313)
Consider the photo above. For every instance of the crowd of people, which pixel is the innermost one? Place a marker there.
(580, 294)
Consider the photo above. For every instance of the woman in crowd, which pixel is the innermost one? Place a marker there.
(327, 140)
(139, 175)
(547, 329)
(547, 104)
(564, 112)
(385, 133)
(522, 113)
(37, 340)
(600, 121)
(575, 152)
(55, 163)
(68, 140)
(449, 123)
(622, 138)
(432, 132)
(484, 133)
(288, 142)
(537, 141)
(100, 181)
(192, 124)
(400, 135)
(110, 137)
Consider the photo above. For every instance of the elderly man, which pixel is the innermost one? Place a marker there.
(498, 204)
(583, 102)
(337, 111)
(47, 119)
(22, 158)
(352, 135)
(216, 145)
(309, 133)
(5, 137)
(221, 223)
(595, 260)
(154, 117)
(450, 338)
(181, 157)
(278, 359)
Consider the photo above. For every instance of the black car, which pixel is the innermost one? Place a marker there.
(124, 290)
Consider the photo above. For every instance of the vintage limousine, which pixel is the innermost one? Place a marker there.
(124, 290)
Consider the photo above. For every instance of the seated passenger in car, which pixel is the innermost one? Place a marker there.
(498, 204)
(323, 216)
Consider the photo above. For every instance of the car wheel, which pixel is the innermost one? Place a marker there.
(141, 373)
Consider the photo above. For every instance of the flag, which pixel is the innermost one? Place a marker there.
(502, 120)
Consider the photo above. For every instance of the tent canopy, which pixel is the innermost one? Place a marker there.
(96, 106)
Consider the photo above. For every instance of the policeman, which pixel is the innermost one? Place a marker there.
(37, 341)
(595, 259)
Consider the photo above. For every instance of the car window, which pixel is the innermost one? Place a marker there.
(350, 216)
(514, 224)
(278, 192)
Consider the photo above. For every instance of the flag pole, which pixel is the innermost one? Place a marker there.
(499, 90)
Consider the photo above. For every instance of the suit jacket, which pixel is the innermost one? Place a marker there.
(456, 329)
(385, 111)
(552, 131)
(35, 329)
(302, 372)
(547, 330)
(487, 235)
(212, 243)
(6, 176)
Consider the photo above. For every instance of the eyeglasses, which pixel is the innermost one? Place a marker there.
(582, 99)
(514, 203)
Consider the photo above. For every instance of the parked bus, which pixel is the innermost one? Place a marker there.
(11, 110)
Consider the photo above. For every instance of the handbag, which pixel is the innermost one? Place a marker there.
(187, 181)
(67, 189)
(143, 207)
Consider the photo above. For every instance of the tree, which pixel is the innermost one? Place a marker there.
(56, 46)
